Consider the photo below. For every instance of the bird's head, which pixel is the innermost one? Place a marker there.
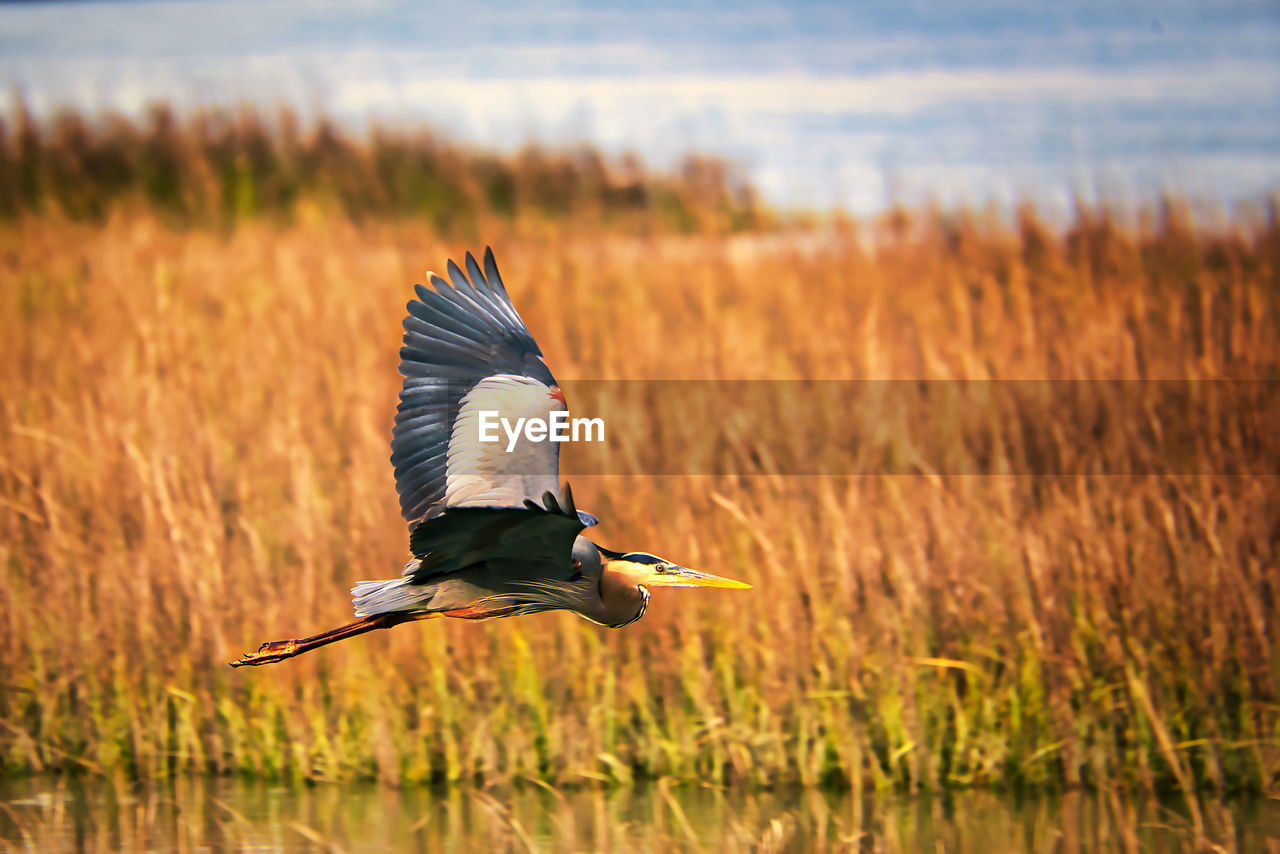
(612, 588)
(642, 569)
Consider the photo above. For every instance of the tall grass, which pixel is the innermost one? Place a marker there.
(193, 459)
(215, 166)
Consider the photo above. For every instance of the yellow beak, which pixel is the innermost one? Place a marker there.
(671, 575)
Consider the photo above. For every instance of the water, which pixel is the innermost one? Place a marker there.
(851, 104)
(52, 814)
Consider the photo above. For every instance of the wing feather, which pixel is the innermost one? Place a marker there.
(457, 334)
(493, 283)
(537, 536)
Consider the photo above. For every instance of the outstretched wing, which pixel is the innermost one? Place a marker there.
(467, 352)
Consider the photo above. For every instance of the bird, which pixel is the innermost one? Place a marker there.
(490, 533)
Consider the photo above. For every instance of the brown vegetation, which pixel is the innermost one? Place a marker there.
(193, 458)
(216, 166)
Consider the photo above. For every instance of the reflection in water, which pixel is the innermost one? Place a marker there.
(51, 814)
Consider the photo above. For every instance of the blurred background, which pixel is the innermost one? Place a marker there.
(994, 615)
(821, 105)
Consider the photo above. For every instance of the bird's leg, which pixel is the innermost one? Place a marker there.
(273, 651)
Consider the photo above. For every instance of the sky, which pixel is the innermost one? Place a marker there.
(851, 105)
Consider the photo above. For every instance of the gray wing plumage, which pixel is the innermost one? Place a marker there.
(456, 335)
(536, 537)
(472, 556)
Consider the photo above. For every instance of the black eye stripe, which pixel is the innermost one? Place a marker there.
(642, 557)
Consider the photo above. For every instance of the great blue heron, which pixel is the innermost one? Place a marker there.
(488, 533)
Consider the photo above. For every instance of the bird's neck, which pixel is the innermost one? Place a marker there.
(622, 600)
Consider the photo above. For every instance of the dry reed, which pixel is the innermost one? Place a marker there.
(193, 459)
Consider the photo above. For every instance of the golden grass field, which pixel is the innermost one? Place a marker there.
(193, 459)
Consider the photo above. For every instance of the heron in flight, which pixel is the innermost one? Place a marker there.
(491, 534)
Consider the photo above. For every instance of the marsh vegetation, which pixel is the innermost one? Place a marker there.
(193, 458)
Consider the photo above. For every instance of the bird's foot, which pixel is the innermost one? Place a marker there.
(269, 653)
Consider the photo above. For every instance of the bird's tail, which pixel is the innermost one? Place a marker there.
(382, 597)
